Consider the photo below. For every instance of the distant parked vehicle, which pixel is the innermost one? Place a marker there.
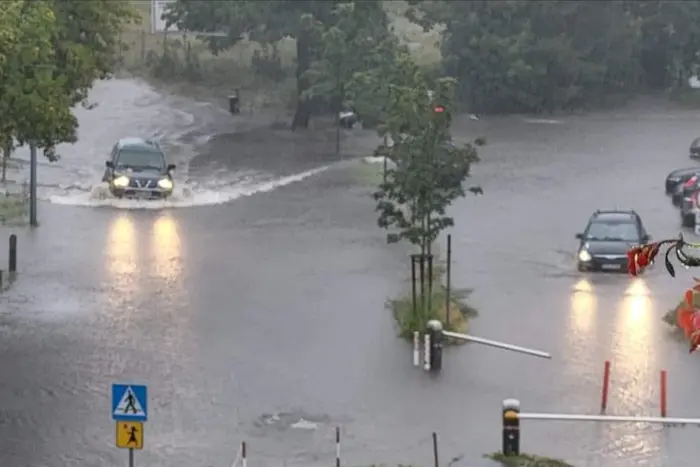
(695, 149)
(679, 176)
(689, 206)
(684, 190)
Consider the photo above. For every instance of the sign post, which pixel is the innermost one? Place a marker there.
(129, 410)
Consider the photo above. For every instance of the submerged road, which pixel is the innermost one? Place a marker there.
(247, 315)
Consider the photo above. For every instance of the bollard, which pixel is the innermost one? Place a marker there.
(416, 348)
(13, 254)
(606, 385)
(511, 427)
(234, 104)
(663, 393)
(436, 337)
(426, 352)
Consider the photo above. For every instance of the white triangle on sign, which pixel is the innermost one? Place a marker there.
(129, 405)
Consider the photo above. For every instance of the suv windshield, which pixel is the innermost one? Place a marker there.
(138, 160)
(613, 231)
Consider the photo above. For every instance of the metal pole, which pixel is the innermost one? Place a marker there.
(413, 285)
(497, 344)
(608, 418)
(131, 457)
(12, 256)
(435, 450)
(448, 287)
(384, 161)
(32, 186)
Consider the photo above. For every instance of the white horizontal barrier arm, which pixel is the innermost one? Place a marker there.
(608, 418)
(500, 345)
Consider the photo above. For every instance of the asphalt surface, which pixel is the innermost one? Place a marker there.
(253, 304)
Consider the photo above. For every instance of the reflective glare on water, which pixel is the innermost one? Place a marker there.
(255, 311)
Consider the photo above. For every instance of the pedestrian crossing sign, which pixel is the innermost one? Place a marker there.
(130, 435)
(129, 402)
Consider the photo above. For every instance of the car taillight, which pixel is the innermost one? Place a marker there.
(690, 181)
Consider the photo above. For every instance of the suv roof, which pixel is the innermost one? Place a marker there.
(615, 215)
(138, 143)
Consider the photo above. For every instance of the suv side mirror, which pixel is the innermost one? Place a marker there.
(109, 164)
(579, 236)
(646, 238)
(171, 167)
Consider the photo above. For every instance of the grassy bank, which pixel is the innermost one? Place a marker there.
(527, 460)
(13, 208)
(410, 319)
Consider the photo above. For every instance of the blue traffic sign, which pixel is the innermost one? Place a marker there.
(129, 402)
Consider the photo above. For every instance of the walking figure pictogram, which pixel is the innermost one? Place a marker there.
(130, 402)
(132, 435)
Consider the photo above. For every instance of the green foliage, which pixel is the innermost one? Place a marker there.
(51, 52)
(429, 169)
(354, 40)
(334, 39)
(513, 56)
(527, 460)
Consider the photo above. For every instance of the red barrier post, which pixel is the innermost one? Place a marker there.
(606, 384)
(663, 393)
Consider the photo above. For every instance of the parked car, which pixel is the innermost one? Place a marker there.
(683, 190)
(695, 148)
(607, 238)
(679, 176)
(138, 169)
(688, 208)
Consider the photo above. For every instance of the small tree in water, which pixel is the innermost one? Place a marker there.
(429, 169)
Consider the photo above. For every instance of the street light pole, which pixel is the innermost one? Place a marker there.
(32, 186)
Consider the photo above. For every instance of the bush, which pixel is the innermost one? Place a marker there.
(409, 320)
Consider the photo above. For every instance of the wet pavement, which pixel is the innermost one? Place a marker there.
(247, 315)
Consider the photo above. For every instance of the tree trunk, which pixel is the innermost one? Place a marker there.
(303, 110)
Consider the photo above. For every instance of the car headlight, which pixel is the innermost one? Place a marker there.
(165, 183)
(584, 256)
(121, 182)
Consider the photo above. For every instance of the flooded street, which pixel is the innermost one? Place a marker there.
(255, 300)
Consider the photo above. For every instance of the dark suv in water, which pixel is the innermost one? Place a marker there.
(607, 238)
(138, 169)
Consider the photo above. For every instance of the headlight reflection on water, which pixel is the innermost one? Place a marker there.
(166, 248)
(637, 304)
(583, 306)
(121, 246)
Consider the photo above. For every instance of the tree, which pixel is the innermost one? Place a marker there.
(353, 43)
(669, 40)
(51, 54)
(265, 22)
(429, 168)
(513, 56)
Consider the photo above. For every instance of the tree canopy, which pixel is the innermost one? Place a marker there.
(429, 168)
(51, 53)
(512, 56)
(334, 38)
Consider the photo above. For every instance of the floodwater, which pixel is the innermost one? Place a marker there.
(252, 305)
